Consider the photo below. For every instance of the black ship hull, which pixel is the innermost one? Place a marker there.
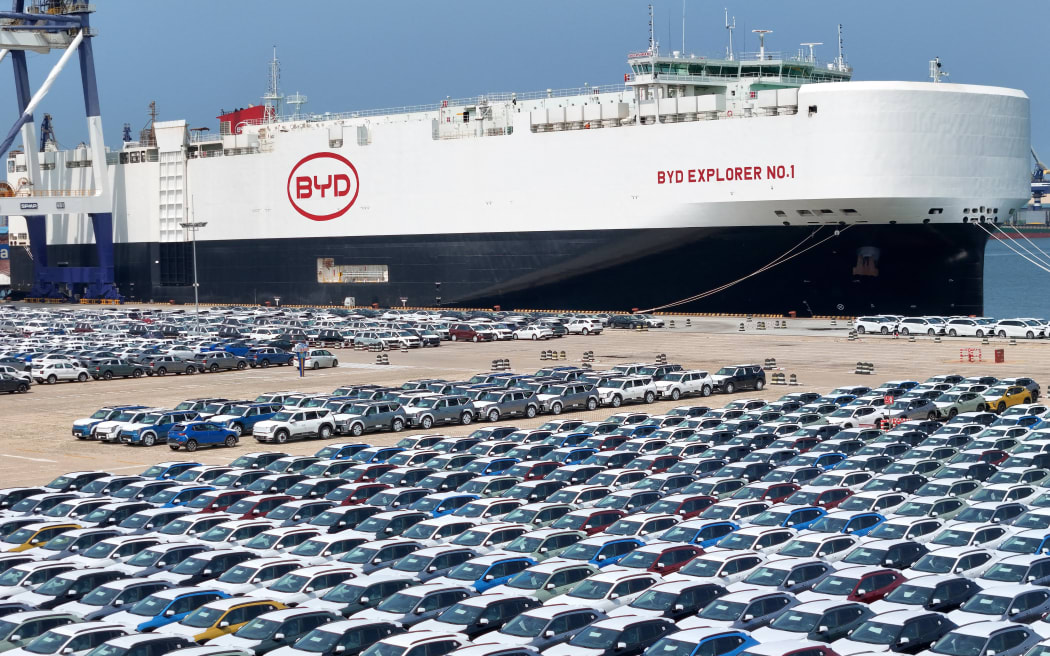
(827, 270)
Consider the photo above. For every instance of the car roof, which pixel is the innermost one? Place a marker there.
(985, 629)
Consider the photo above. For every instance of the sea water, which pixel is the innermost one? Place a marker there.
(1013, 286)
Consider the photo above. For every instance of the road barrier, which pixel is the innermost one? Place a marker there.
(968, 354)
(671, 324)
(688, 322)
(770, 364)
(852, 337)
(887, 424)
(761, 325)
(501, 364)
(741, 328)
(984, 341)
(911, 338)
(404, 347)
(588, 356)
(793, 380)
(661, 358)
(778, 378)
(937, 339)
(864, 368)
(382, 359)
(1013, 341)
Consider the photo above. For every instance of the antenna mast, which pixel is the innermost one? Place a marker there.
(652, 33)
(730, 28)
(812, 57)
(762, 42)
(935, 70)
(841, 62)
(272, 98)
(683, 28)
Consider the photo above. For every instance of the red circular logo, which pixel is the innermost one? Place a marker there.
(323, 186)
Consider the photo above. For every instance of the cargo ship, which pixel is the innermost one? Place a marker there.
(754, 182)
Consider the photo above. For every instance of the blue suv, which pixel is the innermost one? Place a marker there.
(154, 427)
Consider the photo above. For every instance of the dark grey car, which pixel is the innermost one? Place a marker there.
(555, 398)
(497, 404)
(441, 410)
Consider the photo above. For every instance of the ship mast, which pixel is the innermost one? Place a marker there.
(272, 98)
(730, 27)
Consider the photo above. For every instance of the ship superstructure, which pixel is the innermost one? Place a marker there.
(755, 182)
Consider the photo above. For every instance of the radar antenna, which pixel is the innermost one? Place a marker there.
(730, 27)
(762, 42)
(811, 45)
(297, 100)
(935, 70)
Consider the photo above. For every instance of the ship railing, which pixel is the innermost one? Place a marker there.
(54, 193)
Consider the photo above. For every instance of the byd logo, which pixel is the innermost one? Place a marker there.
(323, 186)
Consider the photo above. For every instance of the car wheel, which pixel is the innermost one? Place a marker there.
(592, 403)
(675, 394)
(953, 333)
(884, 330)
(107, 375)
(230, 441)
(981, 407)
(82, 377)
(162, 371)
(173, 447)
(474, 338)
(466, 418)
(52, 379)
(861, 330)
(530, 411)
(556, 409)
(242, 364)
(324, 432)
(191, 445)
(357, 430)
(452, 338)
(905, 331)
(952, 413)
(137, 373)
(237, 429)
(649, 397)
(190, 370)
(264, 364)
(397, 425)
(535, 337)
(931, 415)
(1001, 406)
(705, 390)
(1002, 333)
(759, 384)
(23, 388)
(493, 415)
(317, 365)
(335, 363)
(616, 401)
(149, 439)
(282, 436)
(729, 388)
(426, 422)
(1029, 335)
(930, 332)
(585, 332)
(214, 367)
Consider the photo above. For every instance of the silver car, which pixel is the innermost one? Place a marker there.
(320, 359)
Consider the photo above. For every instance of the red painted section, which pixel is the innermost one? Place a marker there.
(1031, 234)
(238, 117)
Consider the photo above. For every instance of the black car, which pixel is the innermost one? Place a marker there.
(625, 321)
(902, 630)
(735, 377)
(10, 384)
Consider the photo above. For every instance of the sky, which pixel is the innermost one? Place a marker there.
(195, 57)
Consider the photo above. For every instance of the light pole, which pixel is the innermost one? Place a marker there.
(193, 226)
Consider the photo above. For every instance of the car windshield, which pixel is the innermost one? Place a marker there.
(799, 548)
(400, 603)
(146, 558)
(1018, 544)
(953, 538)
(217, 533)
(719, 609)
(177, 527)
(203, 617)
(1006, 572)
(461, 613)
(258, 629)
(836, 585)
(986, 604)
(528, 580)
(596, 638)
(283, 415)
(359, 555)
(796, 622)
(827, 524)
(263, 541)
(49, 643)
(767, 576)
(877, 633)
(934, 564)
(525, 626)
(100, 550)
(238, 574)
(914, 508)
(591, 589)
(151, 606)
(912, 595)
(55, 586)
(960, 644)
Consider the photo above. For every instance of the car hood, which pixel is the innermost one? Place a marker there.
(230, 640)
(846, 647)
(84, 422)
(565, 649)
(109, 424)
(130, 426)
(127, 619)
(182, 630)
(379, 615)
(766, 634)
(961, 617)
(623, 611)
(809, 595)
(224, 418)
(321, 604)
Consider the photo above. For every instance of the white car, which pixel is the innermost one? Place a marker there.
(607, 590)
(53, 371)
(584, 327)
(1027, 328)
(683, 383)
(966, 327)
(852, 417)
(533, 333)
(881, 325)
(320, 358)
(288, 424)
(616, 391)
(109, 430)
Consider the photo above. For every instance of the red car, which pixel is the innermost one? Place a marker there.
(257, 505)
(685, 505)
(653, 464)
(355, 493)
(464, 332)
(660, 558)
(366, 473)
(589, 520)
(827, 498)
(217, 501)
(533, 470)
(872, 582)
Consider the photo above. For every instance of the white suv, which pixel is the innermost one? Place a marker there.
(677, 384)
(584, 327)
(53, 371)
(295, 425)
(616, 391)
(1029, 328)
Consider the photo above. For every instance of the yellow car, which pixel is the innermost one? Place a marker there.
(221, 617)
(1001, 397)
(32, 536)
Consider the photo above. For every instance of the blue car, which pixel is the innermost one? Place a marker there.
(826, 461)
(340, 451)
(1032, 541)
(264, 356)
(796, 517)
(154, 427)
(857, 523)
(443, 503)
(486, 572)
(706, 641)
(169, 606)
(194, 434)
(85, 428)
(601, 551)
(1031, 422)
(702, 532)
(560, 440)
(163, 471)
(173, 497)
(490, 466)
(572, 455)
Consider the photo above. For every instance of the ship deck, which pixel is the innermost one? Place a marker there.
(36, 444)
